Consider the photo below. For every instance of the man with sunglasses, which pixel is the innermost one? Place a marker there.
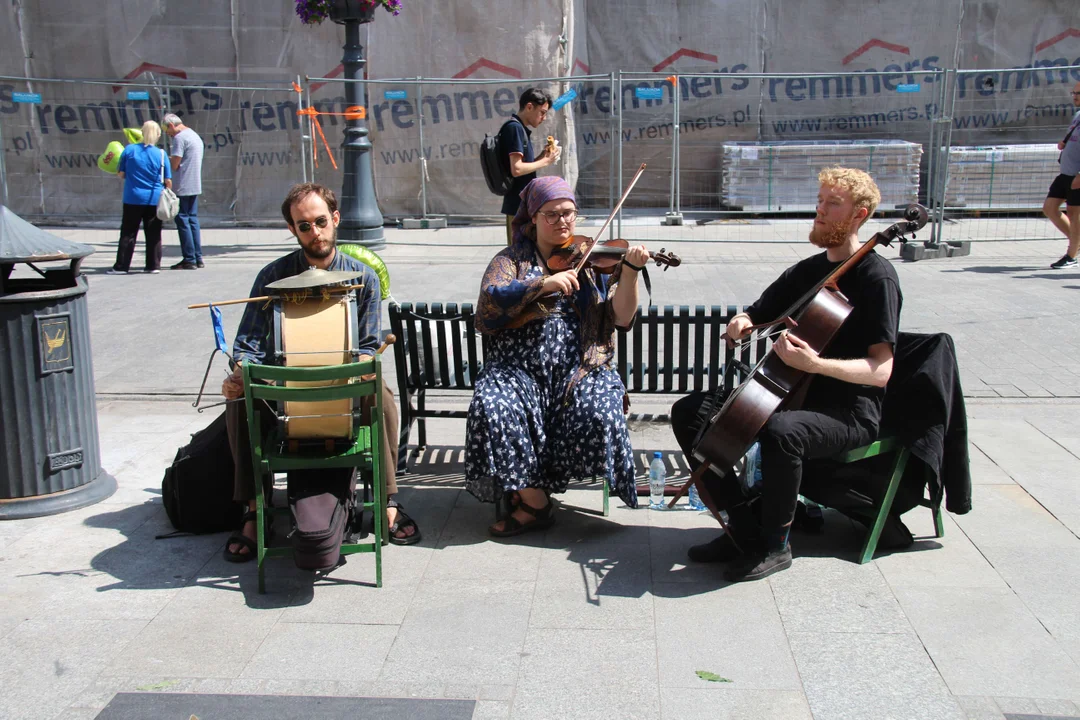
(514, 138)
(311, 213)
(1066, 189)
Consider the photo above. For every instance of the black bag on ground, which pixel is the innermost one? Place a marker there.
(495, 163)
(198, 487)
(321, 503)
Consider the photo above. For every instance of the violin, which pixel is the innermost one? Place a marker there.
(604, 257)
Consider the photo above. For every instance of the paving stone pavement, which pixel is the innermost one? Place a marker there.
(596, 617)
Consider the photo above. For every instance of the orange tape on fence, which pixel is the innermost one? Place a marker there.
(353, 112)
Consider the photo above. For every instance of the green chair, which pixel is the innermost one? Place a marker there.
(880, 447)
(272, 452)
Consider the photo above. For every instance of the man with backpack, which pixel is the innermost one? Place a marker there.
(514, 140)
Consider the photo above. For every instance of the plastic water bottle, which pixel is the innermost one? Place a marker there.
(657, 480)
(752, 471)
(694, 498)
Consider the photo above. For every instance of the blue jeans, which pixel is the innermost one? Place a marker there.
(187, 225)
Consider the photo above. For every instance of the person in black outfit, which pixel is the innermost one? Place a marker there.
(842, 407)
(515, 137)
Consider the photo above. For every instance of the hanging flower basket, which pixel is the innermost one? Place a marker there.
(312, 12)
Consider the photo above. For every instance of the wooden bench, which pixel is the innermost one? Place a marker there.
(673, 351)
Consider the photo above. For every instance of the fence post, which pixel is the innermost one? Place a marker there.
(3, 172)
(619, 160)
(612, 133)
(303, 144)
(674, 215)
(423, 160)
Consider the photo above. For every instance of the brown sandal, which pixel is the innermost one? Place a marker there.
(542, 520)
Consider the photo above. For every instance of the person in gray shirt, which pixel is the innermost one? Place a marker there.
(186, 158)
(1066, 188)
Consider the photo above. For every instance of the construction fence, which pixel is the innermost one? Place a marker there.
(978, 147)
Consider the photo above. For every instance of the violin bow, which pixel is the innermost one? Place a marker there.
(618, 206)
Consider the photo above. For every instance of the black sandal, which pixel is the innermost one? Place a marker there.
(401, 522)
(239, 538)
(542, 520)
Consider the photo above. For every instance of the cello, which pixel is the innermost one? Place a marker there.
(770, 385)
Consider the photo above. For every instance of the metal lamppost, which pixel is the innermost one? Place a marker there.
(361, 220)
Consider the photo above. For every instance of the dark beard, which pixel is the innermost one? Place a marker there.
(830, 236)
(331, 243)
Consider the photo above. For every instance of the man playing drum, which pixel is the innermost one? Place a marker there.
(842, 407)
(311, 213)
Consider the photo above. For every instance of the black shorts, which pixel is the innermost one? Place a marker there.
(1062, 189)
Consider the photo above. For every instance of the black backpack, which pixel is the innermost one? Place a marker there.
(198, 487)
(495, 162)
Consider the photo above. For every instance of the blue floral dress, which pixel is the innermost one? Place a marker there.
(526, 430)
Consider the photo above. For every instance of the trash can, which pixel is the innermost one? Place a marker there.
(51, 459)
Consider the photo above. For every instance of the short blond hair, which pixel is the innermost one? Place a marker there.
(862, 188)
(151, 132)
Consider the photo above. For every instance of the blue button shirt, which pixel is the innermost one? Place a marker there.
(253, 337)
(141, 165)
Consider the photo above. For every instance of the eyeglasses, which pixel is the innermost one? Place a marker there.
(320, 222)
(1074, 94)
(553, 217)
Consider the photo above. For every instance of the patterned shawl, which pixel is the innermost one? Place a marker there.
(509, 300)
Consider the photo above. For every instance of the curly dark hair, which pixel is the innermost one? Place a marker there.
(301, 191)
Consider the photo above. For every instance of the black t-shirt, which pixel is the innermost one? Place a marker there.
(514, 137)
(873, 291)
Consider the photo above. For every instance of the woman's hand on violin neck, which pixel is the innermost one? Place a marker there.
(637, 255)
(565, 282)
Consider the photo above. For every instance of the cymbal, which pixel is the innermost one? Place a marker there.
(312, 278)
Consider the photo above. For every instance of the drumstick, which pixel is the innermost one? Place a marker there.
(263, 298)
(390, 340)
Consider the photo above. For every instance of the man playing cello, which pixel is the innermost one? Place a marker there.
(842, 406)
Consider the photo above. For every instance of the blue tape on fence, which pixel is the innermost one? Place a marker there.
(394, 95)
(138, 95)
(26, 97)
(219, 331)
(649, 93)
(564, 98)
(908, 88)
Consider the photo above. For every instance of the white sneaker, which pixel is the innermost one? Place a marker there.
(114, 271)
(151, 272)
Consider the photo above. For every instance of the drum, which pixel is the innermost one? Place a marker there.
(316, 332)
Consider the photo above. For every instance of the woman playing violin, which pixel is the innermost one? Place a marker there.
(548, 406)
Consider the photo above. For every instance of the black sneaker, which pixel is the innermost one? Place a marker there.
(1064, 262)
(199, 264)
(182, 265)
(756, 566)
(720, 549)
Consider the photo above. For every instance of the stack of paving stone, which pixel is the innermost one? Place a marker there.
(782, 176)
(1000, 177)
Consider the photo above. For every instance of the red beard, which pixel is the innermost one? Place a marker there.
(830, 236)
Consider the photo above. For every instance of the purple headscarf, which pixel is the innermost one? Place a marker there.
(535, 195)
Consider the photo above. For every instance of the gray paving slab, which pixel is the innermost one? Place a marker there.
(820, 593)
(870, 675)
(45, 664)
(587, 674)
(1018, 659)
(461, 630)
(734, 632)
(592, 586)
(954, 560)
(321, 651)
(1014, 446)
(175, 643)
(725, 703)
